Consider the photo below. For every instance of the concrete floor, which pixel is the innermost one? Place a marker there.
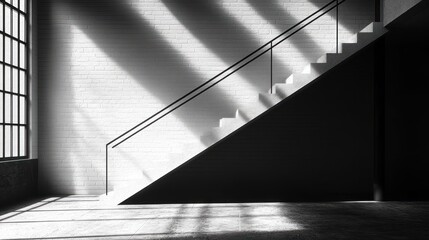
(85, 217)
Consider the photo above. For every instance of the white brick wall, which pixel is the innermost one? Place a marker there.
(104, 66)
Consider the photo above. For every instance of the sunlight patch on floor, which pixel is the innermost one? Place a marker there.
(86, 217)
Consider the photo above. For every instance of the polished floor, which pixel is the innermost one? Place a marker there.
(85, 217)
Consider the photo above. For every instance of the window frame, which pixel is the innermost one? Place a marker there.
(17, 61)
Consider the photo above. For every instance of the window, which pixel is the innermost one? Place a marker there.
(14, 61)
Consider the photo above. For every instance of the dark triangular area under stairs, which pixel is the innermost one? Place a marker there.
(316, 145)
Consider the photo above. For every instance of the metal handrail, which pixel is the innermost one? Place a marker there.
(233, 68)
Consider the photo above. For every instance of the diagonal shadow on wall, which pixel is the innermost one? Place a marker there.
(136, 46)
(225, 37)
(302, 40)
(350, 12)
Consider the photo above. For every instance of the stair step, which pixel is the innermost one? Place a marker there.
(349, 48)
(325, 57)
(252, 111)
(334, 59)
(352, 40)
(268, 99)
(322, 59)
(373, 27)
(319, 68)
(378, 27)
(365, 38)
(226, 121)
(218, 133)
(300, 78)
(285, 90)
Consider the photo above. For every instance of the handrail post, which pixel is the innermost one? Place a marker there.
(337, 26)
(107, 167)
(378, 10)
(271, 62)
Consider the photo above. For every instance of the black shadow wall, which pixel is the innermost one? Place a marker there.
(407, 108)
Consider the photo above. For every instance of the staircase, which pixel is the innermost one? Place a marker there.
(278, 93)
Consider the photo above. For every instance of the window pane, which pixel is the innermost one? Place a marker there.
(14, 53)
(1, 141)
(1, 47)
(22, 108)
(7, 141)
(22, 144)
(1, 76)
(22, 54)
(23, 82)
(22, 27)
(7, 108)
(14, 80)
(9, 1)
(15, 3)
(7, 48)
(7, 20)
(1, 108)
(15, 23)
(1, 16)
(22, 5)
(14, 109)
(15, 141)
(7, 79)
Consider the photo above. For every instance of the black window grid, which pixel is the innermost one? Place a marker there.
(14, 124)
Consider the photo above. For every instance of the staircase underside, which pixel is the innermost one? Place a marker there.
(316, 145)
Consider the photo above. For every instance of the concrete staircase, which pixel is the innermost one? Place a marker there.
(265, 101)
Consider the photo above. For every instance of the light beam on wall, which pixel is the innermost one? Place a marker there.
(197, 55)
